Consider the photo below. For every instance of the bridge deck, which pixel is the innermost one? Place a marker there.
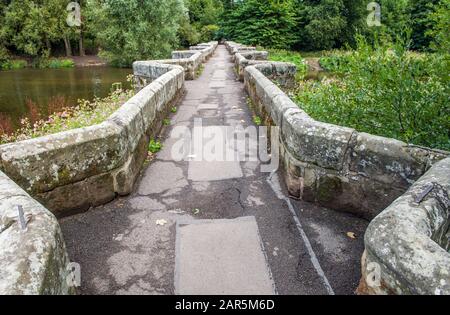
(133, 245)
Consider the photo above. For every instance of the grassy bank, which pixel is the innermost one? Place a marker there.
(52, 63)
(13, 65)
(86, 113)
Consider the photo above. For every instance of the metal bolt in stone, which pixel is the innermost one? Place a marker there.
(22, 221)
(426, 190)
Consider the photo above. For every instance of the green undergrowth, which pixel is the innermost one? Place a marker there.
(292, 57)
(383, 90)
(86, 113)
(13, 64)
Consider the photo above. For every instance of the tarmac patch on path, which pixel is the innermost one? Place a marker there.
(221, 257)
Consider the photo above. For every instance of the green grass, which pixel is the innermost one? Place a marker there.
(257, 120)
(154, 146)
(199, 70)
(60, 63)
(289, 56)
(13, 64)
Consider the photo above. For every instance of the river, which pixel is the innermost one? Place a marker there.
(40, 92)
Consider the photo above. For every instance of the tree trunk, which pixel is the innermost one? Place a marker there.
(68, 47)
(82, 51)
(81, 44)
(49, 46)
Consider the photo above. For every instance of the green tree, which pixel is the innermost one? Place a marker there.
(4, 53)
(440, 32)
(205, 12)
(202, 20)
(129, 30)
(188, 33)
(326, 24)
(268, 23)
(419, 12)
(32, 27)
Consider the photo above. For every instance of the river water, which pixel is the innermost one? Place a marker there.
(40, 92)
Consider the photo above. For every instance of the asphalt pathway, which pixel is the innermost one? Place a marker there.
(200, 226)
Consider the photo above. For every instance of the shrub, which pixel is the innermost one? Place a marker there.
(261, 22)
(292, 57)
(385, 91)
(208, 32)
(13, 64)
(154, 146)
(336, 61)
(60, 63)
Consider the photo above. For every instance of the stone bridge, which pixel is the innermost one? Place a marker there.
(187, 224)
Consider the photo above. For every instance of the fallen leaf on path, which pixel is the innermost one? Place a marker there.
(351, 235)
(161, 222)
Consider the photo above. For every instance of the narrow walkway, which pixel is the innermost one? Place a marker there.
(196, 227)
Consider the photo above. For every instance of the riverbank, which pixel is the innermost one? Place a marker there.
(37, 93)
(88, 61)
(16, 63)
(86, 113)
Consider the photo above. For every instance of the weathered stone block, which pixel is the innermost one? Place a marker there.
(125, 177)
(129, 117)
(32, 261)
(283, 73)
(314, 142)
(146, 102)
(80, 196)
(388, 161)
(281, 103)
(41, 164)
(405, 240)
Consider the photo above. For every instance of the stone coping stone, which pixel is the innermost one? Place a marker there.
(33, 261)
(190, 59)
(410, 240)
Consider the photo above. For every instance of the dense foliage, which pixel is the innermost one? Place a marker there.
(385, 90)
(132, 30)
(128, 29)
(327, 24)
(269, 23)
(292, 57)
(122, 30)
(441, 26)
